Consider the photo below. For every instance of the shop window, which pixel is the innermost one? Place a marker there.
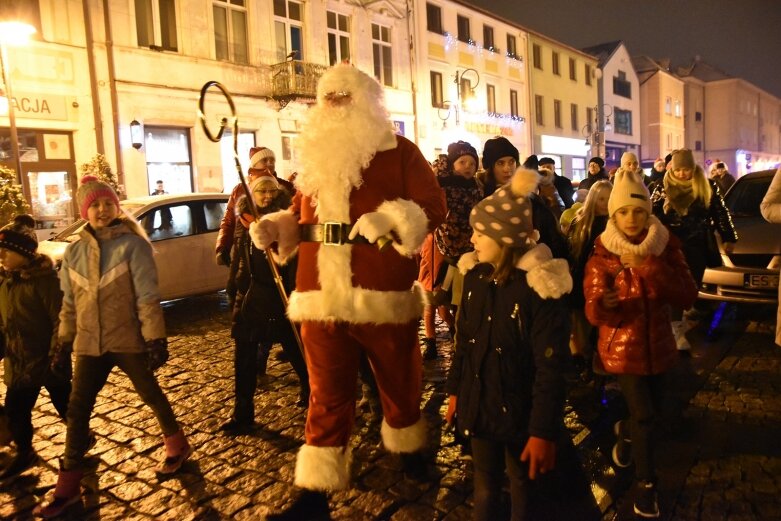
(230, 177)
(289, 29)
(338, 38)
(168, 159)
(51, 197)
(156, 24)
(383, 58)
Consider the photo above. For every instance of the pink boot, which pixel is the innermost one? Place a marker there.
(177, 450)
(66, 493)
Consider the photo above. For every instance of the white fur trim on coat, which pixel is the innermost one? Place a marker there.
(653, 244)
(409, 222)
(548, 277)
(323, 468)
(405, 440)
(358, 305)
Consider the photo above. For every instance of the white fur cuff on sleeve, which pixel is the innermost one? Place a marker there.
(409, 222)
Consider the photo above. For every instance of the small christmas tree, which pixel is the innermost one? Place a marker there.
(12, 201)
(100, 168)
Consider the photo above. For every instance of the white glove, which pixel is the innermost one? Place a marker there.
(263, 233)
(372, 226)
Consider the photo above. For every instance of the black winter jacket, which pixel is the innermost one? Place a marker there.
(693, 228)
(510, 349)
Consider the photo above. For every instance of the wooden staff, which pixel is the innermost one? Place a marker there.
(216, 139)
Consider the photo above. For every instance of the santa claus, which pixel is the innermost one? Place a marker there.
(360, 185)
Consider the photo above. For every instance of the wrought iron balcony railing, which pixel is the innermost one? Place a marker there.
(294, 79)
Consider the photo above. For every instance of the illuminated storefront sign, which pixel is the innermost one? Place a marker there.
(40, 106)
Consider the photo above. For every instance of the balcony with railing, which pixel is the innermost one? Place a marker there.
(295, 80)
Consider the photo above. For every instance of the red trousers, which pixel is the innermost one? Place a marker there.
(332, 357)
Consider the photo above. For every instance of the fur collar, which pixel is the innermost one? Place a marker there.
(39, 266)
(548, 277)
(653, 244)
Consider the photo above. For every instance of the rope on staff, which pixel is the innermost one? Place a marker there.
(251, 203)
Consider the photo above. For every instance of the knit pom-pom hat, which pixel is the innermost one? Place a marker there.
(19, 236)
(506, 215)
(90, 189)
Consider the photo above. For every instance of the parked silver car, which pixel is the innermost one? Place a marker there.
(183, 230)
(750, 273)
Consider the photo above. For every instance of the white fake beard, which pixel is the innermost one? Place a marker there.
(335, 146)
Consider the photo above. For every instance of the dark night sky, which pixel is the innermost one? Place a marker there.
(741, 37)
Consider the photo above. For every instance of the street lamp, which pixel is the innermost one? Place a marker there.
(465, 93)
(12, 33)
(595, 132)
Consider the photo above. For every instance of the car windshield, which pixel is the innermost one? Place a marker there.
(71, 233)
(744, 198)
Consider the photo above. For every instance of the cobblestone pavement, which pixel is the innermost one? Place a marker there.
(247, 476)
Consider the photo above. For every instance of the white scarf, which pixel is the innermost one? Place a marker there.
(653, 244)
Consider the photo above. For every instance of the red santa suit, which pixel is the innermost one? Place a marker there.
(353, 297)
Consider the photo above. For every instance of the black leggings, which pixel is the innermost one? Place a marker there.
(644, 396)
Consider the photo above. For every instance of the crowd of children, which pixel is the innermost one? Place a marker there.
(528, 300)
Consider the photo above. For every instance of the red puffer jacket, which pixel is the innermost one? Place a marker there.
(636, 336)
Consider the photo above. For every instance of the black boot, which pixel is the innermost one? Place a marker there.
(415, 466)
(309, 505)
(430, 350)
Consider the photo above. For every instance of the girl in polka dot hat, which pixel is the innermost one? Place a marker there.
(512, 333)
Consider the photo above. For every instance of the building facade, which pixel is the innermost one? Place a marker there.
(101, 68)
(615, 125)
(661, 110)
(742, 123)
(472, 81)
(563, 94)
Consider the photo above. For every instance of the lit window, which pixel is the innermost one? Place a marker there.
(512, 46)
(677, 108)
(230, 30)
(668, 105)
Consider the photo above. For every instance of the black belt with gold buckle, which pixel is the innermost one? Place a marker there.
(330, 234)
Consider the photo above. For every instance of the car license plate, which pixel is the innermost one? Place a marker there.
(759, 281)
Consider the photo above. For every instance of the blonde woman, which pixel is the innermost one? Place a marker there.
(692, 208)
(589, 223)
